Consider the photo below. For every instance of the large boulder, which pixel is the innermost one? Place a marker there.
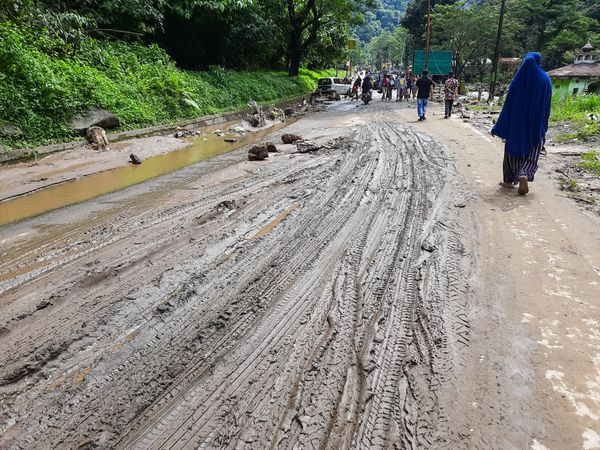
(290, 138)
(271, 148)
(94, 117)
(11, 131)
(258, 153)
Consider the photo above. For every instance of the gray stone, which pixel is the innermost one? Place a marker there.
(10, 130)
(93, 117)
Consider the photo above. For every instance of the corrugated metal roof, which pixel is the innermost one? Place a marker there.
(577, 70)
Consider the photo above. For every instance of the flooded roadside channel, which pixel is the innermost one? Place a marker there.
(75, 191)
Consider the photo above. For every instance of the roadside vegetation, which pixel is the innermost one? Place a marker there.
(151, 62)
(581, 115)
(43, 84)
(590, 162)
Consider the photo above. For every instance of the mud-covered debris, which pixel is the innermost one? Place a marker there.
(256, 116)
(307, 147)
(237, 129)
(428, 247)
(184, 133)
(219, 133)
(288, 112)
(96, 138)
(226, 205)
(43, 304)
(134, 159)
(258, 153)
(271, 148)
(232, 140)
(164, 307)
(290, 138)
(276, 113)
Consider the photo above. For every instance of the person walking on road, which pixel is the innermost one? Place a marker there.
(384, 87)
(450, 94)
(424, 93)
(391, 86)
(356, 88)
(523, 122)
(409, 85)
(400, 86)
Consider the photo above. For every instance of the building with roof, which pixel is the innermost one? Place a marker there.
(581, 77)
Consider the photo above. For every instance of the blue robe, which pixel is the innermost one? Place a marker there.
(523, 121)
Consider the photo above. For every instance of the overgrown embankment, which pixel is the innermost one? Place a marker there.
(44, 81)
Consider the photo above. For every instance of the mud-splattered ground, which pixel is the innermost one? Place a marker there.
(345, 298)
(315, 300)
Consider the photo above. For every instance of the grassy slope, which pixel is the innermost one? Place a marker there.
(43, 83)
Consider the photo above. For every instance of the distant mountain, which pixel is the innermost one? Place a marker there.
(385, 17)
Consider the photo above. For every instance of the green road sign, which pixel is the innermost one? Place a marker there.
(440, 62)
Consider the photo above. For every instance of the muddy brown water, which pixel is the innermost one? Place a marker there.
(81, 189)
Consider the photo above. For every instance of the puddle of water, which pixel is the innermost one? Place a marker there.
(92, 186)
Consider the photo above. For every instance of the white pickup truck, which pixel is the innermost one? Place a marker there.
(334, 87)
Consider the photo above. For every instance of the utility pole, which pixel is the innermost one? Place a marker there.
(492, 90)
(428, 34)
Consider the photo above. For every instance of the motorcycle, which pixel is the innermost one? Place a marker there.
(366, 97)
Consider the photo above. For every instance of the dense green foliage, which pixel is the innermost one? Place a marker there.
(42, 84)
(240, 34)
(555, 28)
(385, 17)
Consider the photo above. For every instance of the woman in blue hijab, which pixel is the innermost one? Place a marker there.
(523, 122)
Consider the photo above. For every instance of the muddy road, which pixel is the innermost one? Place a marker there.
(324, 300)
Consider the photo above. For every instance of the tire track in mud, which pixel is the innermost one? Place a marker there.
(336, 329)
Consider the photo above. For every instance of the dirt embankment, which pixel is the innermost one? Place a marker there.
(316, 300)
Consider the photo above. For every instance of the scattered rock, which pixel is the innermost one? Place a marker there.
(258, 153)
(271, 148)
(378, 339)
(183, 133)
(11, 131)
(94, 117)
(219, 133)
(290, 138)
(96, 138)
(135, 159)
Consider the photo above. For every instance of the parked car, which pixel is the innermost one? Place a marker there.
(333, 86)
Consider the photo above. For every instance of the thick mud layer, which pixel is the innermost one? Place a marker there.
(311, 301)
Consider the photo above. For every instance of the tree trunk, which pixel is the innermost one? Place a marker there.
(295, 64)
(295, 51)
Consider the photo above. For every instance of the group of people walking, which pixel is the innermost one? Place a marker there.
(396, 87)
(522, 124)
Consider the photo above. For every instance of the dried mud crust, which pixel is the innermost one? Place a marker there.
(319, 303)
